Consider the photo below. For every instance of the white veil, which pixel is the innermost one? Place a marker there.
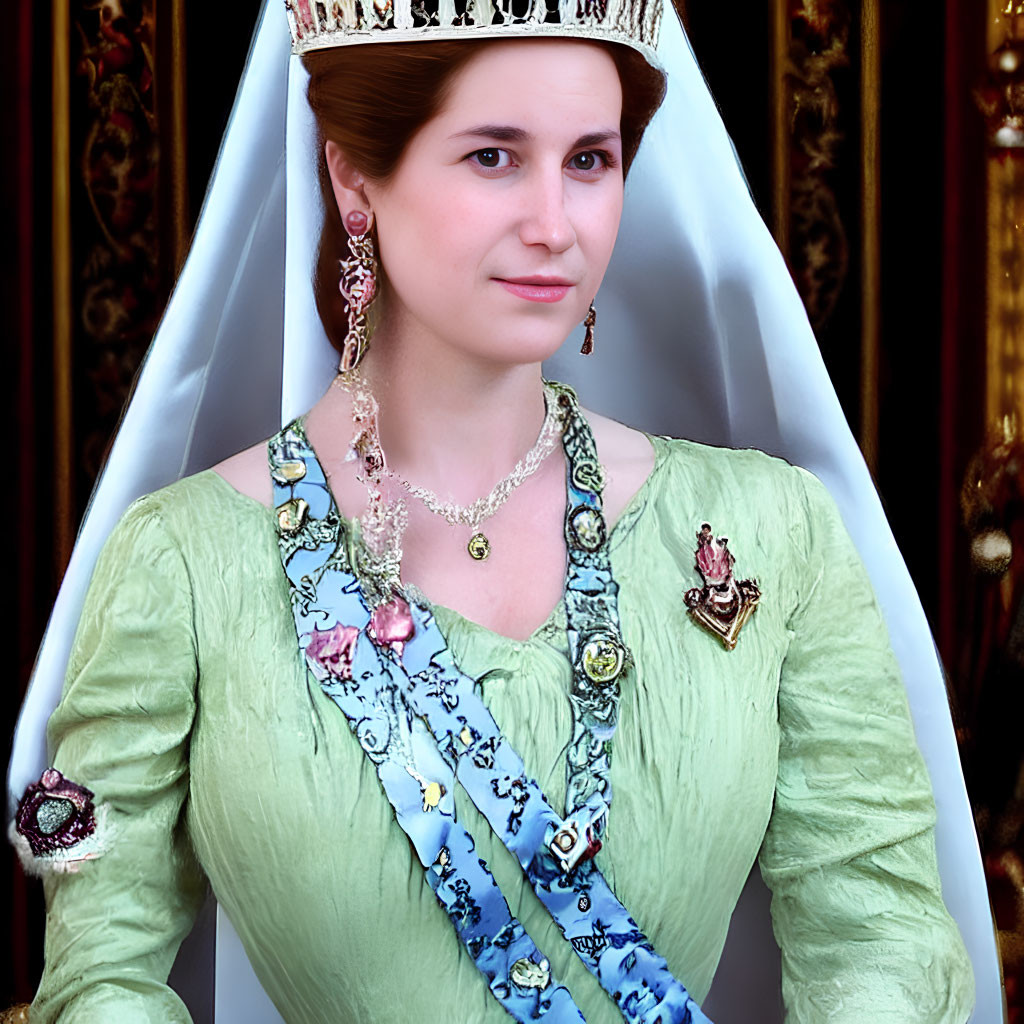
(702, 335)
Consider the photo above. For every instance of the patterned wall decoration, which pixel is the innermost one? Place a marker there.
(1001, 98)
(826, 174)
(992, 501)
(117, 236)
(818, 246)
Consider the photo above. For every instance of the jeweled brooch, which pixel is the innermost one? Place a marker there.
(57, 826)
(723, 605)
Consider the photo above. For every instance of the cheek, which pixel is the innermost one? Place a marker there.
(599, 225)
(470, 221)
(439, 232)
(596, 215)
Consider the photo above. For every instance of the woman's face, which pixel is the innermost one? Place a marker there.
(499, 223)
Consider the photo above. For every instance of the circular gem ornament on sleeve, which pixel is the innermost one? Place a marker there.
(58, 826)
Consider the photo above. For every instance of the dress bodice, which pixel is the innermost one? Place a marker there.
(188, 712)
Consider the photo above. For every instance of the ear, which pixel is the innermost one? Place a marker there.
(346, 181)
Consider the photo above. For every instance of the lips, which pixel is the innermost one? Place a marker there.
(540, 280)
(537, 288)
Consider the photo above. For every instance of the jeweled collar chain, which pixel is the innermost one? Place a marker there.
(424, 726)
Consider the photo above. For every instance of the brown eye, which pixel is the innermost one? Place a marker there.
(492, 159)
(592, 160)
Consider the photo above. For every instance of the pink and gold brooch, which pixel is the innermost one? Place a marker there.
(723, 605)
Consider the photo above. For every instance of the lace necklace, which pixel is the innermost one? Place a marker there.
(366, 445)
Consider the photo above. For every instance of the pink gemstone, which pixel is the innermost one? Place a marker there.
(355, 222)
(391, 624)
(714, 559)
(332, 650)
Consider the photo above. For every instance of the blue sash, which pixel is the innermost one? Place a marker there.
(424, 726)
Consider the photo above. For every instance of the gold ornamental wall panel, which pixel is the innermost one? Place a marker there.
(813, 43)
(1002, 101)
(119, 217)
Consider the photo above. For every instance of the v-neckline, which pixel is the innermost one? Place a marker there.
(621, 526)
(557, 614)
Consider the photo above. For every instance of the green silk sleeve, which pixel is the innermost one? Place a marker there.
(850, 850)
(122, 730)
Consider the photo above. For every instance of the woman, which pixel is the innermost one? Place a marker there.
(522, 151)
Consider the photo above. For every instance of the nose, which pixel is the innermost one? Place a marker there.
(545, 218)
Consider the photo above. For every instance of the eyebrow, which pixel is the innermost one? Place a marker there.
(507, 133)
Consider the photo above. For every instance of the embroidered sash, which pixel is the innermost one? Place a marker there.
(424, 726)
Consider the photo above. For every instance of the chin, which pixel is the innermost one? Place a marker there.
(524, 348)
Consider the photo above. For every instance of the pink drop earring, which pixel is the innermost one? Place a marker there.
(358, 287)
(591, 324)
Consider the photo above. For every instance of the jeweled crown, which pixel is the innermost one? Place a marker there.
(319, 25)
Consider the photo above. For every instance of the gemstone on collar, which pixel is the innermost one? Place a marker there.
(587, 527)
(292, 514)
(527, 974)
(603, 658)
(565, 839)
(578, 840)
(289, 472)
(432, 794)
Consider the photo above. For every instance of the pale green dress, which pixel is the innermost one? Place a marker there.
(188, 713)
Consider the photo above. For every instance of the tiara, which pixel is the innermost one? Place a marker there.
(319, 25)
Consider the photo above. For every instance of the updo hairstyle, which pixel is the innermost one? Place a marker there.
(371, 99)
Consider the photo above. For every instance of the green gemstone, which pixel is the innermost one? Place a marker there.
(51, 814)
(602, 659)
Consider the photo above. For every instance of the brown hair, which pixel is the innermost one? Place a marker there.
(372, 99)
